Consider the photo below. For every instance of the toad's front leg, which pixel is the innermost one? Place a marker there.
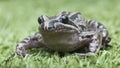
(34, 41)
(94, 41)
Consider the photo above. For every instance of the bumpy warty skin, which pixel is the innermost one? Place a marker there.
(66, 32)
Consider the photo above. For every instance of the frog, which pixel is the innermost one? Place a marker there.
(66, 32)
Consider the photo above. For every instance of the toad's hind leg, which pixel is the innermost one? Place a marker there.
(34, 41)
(93, 41)
(96, 26)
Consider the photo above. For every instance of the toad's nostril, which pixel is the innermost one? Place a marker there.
(50, 27)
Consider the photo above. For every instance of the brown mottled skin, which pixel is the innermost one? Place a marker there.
(66, 32)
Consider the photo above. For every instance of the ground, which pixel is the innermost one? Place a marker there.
(18, 19)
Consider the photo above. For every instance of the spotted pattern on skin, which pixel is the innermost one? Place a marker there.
(66, 32)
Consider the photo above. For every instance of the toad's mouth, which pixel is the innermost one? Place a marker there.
(60, 27)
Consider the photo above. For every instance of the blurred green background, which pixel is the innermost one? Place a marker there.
(18, 19)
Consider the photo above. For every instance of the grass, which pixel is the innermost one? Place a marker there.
(18, 19)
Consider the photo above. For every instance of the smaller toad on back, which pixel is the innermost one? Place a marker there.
(66, 32)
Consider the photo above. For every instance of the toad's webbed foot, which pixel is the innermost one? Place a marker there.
(84, 54)
(34, 41)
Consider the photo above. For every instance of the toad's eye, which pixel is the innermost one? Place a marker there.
(64, 19)
(40, 19)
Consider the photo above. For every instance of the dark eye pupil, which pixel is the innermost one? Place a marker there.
(64, 19)
(40, 20)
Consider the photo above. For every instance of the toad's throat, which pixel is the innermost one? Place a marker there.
(61, 41)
